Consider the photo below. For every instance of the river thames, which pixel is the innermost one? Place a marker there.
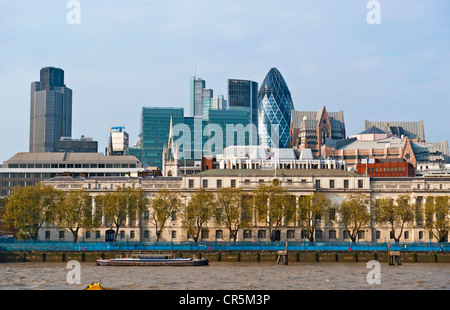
(229, 276)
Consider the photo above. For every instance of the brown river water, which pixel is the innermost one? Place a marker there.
(228, 276)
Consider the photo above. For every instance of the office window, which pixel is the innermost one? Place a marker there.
(174, 215)
(332, 234)
(47, 235)
(233, 183)
(205, 183)
(247, 234)
(205, 234)
(317, 183)
(219, 183)
(146, 234)
(361, 234)
(290, 234)
(346, 184)
(406, 235)
(61, 234)
(261, 234)
(360, 184)
(88, 235)
(97, 234)
(174, 234)
(331, 183)
(219, 234)
(378, 234)
(191, 183)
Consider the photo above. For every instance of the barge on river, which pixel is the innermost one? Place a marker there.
(153, 261)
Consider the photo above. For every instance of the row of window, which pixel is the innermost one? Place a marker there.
(76, 166)
(219, 183)
(247, 234)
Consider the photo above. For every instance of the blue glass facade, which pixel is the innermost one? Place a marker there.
(274, 111)
(195, 137)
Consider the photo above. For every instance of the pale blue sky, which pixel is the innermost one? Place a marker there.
(128, 54)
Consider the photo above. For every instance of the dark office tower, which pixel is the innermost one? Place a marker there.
(274, 111)
(243, 95)
(50, 110)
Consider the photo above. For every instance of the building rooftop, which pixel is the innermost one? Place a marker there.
(69, 157)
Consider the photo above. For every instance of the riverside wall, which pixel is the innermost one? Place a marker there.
(233, 256)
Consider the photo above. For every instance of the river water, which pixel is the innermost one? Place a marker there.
(228, 276)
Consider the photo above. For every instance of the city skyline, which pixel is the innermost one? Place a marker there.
(327, 52)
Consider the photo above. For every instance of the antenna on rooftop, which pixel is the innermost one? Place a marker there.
(195, 66)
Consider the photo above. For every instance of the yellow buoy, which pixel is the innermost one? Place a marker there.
(94, 287)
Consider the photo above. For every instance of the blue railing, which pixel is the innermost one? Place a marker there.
(30, 245)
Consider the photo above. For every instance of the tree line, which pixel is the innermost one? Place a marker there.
(31, 208)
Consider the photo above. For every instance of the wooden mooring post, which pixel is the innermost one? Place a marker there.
(283, 255)
(393, 257)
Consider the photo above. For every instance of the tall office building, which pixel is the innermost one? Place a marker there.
(50, 110)
(206, 102)
(197, 85)
(274, 111)
(243, 95)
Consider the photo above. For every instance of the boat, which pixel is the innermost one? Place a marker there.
(153, 261)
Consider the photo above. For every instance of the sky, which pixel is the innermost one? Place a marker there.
(125, 55)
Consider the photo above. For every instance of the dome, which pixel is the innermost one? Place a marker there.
(274, 110)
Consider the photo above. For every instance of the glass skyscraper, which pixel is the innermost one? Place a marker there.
(274, 111)
(50, 110)
(243, 95)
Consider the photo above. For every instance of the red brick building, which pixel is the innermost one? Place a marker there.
(386, 167)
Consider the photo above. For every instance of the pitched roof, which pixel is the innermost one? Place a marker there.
(411, 129)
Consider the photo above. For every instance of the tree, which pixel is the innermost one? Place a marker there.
(162, 207)
(74, 211)
(437, 217)
(198, 212)
(311, 210)
(273, 205)
(233, 210)
(120, 204)
(30, 207)
(396, 215)
(354, 213)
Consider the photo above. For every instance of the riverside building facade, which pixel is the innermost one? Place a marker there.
(336, 184)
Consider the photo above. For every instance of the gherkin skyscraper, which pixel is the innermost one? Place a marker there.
(274, 111)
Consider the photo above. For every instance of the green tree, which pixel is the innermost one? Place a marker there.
(354, 213)
(29, 208)
(233, 210)
(198, 212)
(74, 212)
(396, 215)
(311, 210)
(162, 206)
(122, 203)
(273, 205)
(437, 217)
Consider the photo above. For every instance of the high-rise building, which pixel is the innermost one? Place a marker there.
(243, 95)
(155, 128)
(274, 111)
(118, 141)
(197, 85)
(206, 102)
(50, 110)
